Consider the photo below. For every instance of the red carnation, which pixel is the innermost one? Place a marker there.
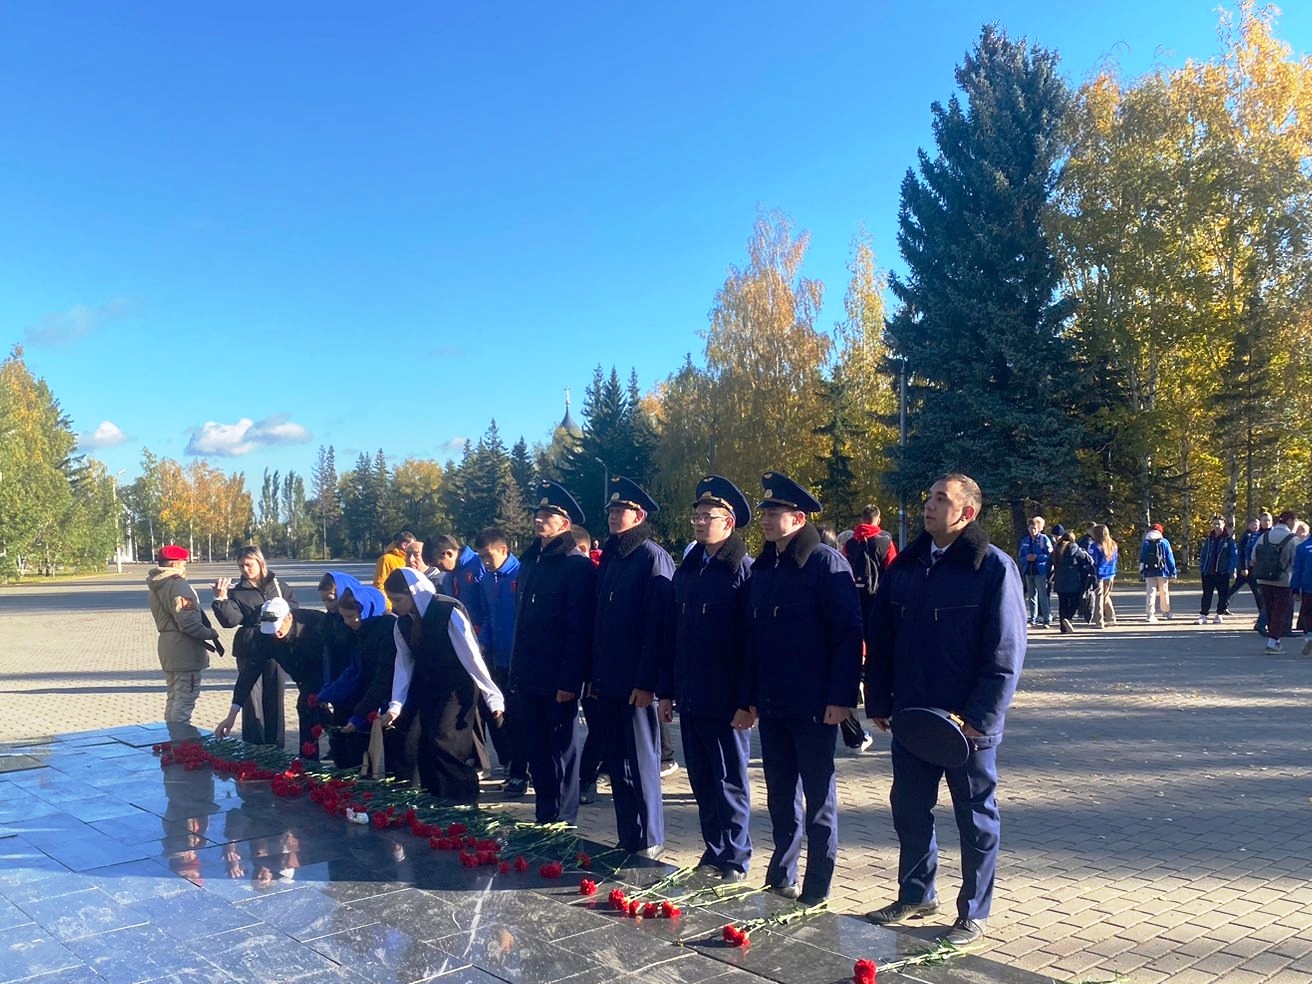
(587, 887)
(863, 972)
(734, 936)
(521, 865)
(552, 869)
(317, 731)
(585, 860)
(631, 908)
(309, 749)
(617, 899)
(504, 868)
(650, 910)
(456, 829)
(311, 701)
(669, 910)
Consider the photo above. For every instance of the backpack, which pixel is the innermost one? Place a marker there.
(868, 558)
(1156, 560)
(1269, 558)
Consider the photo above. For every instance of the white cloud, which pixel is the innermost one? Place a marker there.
(65, 327)
(107, 435)
(455, 444)
(245, 436)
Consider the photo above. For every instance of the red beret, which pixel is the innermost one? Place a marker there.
(1156, 526)
(174, 552)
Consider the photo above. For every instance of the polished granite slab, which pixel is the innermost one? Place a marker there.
(113, 869)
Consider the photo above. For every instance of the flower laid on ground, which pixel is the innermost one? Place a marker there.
(584, 859)
(521, 864)
(735, 936)
(863, 972)
(503, 868)
(552, 869)
(309, 749)
(587, 887)
(669, 910)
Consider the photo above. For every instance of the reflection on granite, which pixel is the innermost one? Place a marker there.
(112, 869)
(13, 762)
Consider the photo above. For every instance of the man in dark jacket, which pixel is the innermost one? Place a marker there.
(704, 672)
(553, 642)
(1216, 563)
(634, 599)
(803, 678)
(294, 639)
(948, 632)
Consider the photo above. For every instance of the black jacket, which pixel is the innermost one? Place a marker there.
(705, 668)
(241, 609)
(635, 596)
(553, 619)
(804, 643)
(300, 653)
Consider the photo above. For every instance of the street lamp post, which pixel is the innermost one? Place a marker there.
(118, 547)
(605, 480)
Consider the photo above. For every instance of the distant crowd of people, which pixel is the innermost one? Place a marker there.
(456, 646)
(1272, 557)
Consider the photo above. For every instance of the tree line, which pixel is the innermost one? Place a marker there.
(1101, 315)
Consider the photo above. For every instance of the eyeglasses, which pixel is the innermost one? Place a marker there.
(700, 519)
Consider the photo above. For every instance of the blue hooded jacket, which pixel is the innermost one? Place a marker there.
(1040, 544)
(338, 640)
(366, 683)
(497, 591)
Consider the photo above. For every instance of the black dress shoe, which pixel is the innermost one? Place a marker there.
(898, 912)
(965, 931)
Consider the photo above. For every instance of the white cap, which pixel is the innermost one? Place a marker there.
(272, 612)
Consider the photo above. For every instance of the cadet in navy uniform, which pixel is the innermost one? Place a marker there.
(704, 672)
(803, 676)
(635, 596)
(947, 632)
(549, 657)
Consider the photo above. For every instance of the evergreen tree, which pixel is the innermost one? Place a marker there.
(522, 468)
(327, 507)
(980, 324)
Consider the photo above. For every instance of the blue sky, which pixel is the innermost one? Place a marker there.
(246, 230)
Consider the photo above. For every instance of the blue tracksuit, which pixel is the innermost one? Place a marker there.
(803, 653)
(949, 635)
(634, 599)
(705, 675)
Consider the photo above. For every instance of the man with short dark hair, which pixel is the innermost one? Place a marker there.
(497, 596)
(803, 679)
(948, 633)
(1272, 564)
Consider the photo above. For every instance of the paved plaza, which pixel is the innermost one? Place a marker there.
(1157, 809)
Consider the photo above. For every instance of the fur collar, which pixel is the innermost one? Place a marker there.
(557, 546)
(967, 550)
(798, 551)
(730, 554)
(627, 542)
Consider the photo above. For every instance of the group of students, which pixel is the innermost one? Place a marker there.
(412, 675)
(1081, 572)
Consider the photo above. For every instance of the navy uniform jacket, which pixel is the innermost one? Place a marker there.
(949, 635)
(634, 599)
(804, 642)
(705, 672)
(553, 619)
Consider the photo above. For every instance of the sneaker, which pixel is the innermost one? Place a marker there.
(653, 853)
(587, 794)
(965, 931)
(790, 892)
(1152, 619)
(1201, 620)
(1276, 650)
(866, 742)
(1217, 619)
(669, 768)
(869, 739)
(1166, 615)
(899, 912)
(515, 787)
(1307, 644)
(1066, 626)
(733, 876)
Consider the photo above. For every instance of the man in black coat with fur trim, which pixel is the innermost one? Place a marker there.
(804, 672)
(550, 655)
(634, 599)
(947, 632)
(704, 672)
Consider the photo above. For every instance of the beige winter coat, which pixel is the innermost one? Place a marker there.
(183, 628)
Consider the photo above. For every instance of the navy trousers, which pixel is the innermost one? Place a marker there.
(797, 755)
(550, 735)
(716, 756)
(631, 752)
(915, 792)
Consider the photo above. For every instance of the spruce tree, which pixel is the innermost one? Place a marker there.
(980, 323)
